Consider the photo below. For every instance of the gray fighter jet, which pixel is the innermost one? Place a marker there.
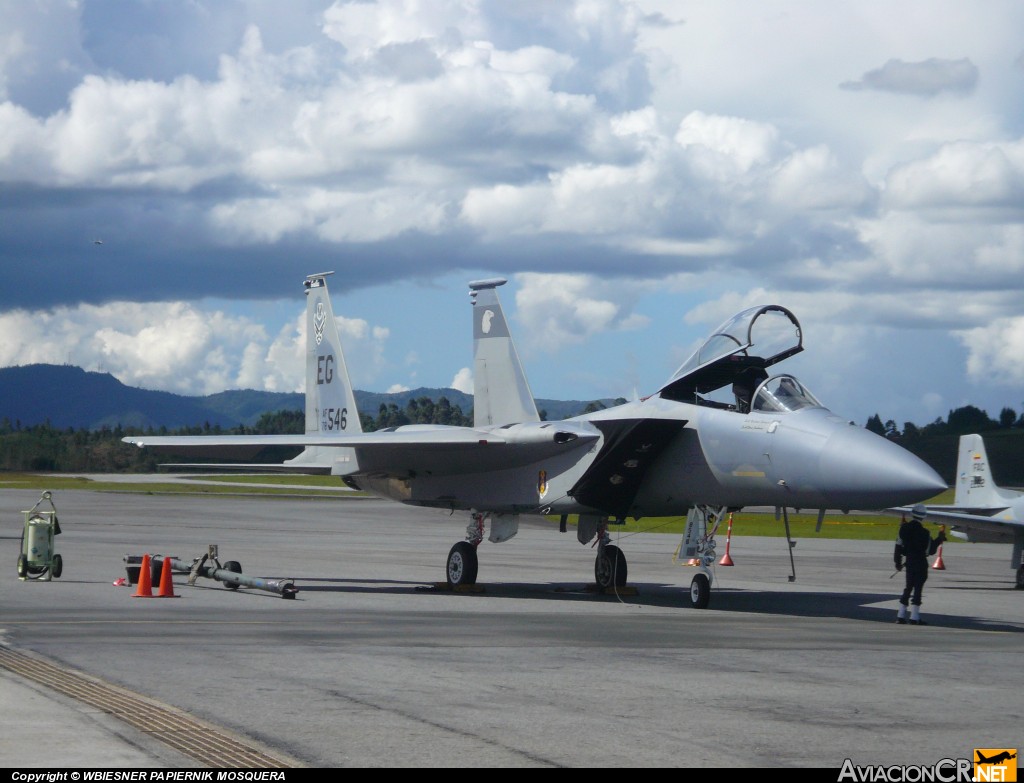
(675, 452)
(982, 511)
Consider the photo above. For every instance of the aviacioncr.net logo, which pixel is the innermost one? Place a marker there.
(943, 771)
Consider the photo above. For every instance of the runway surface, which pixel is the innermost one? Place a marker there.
(369, 667)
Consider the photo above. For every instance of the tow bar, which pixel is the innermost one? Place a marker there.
(209, 566)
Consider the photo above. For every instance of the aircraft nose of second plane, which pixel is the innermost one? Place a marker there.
(867, 471)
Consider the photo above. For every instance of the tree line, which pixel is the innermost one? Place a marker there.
(42, 447)
(961, 421)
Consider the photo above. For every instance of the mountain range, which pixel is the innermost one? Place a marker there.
(68, 396)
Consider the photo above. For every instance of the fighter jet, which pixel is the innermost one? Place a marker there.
(982, 511)
(674, 452)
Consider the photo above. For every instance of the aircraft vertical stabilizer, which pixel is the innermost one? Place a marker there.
(974, 485)
(501, 394)
(330, 399)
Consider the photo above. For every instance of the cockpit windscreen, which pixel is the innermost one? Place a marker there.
(783, 393)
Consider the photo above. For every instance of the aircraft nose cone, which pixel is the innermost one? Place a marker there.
(870, 472)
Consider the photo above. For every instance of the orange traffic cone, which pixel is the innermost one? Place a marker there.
(166, 581)
(938, 565)
(726, 560)
(144, 589)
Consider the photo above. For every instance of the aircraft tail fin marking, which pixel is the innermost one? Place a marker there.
(501, 393)
(330, 399)
(974, 484)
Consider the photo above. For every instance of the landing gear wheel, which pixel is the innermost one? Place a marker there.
(610, 567)
(700, 592)
(58, 566)
(462, 564)
(22, 566)
(1020, 578)
(234, 567)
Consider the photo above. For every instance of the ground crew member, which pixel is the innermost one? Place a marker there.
(915, 544)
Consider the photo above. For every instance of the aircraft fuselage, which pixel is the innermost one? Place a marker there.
(660, 457)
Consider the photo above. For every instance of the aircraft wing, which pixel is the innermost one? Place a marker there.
(982, 524)
(236, 447)
(401, 452)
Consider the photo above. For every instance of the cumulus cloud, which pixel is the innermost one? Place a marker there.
(733, 144)
(814, 179)
(961, 174)
(171, 346)
(558, 310)
(178, 347)
(926, 78)
(217, 148)
(995, 350)
(463, 381)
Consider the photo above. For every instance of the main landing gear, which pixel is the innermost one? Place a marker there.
(462, 565)
(462, 562)
(609, 567)
(610, 570)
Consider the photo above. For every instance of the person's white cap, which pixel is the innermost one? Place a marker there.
(919, 511)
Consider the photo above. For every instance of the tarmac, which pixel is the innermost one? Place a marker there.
(373, 666)
(42, 729)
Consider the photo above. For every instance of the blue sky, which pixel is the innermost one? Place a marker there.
(639, 171)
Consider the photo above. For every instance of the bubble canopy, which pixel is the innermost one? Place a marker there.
(783, 393)
(751, 340)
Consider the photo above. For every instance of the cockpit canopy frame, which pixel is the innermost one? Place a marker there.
(742, 347)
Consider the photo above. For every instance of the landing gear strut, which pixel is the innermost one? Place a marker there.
(698, 549)
(610, 563)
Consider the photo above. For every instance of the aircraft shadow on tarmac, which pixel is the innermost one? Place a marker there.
(851, 606)
(854, 606)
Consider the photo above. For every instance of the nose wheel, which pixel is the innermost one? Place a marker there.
(700, 591)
